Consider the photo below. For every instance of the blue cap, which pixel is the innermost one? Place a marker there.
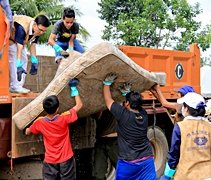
(184, 89)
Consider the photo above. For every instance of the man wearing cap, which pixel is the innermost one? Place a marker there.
(172, 105)
(189, 155)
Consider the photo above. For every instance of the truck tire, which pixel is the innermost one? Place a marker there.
(160, 148)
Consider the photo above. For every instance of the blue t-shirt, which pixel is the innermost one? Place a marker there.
(20, 35)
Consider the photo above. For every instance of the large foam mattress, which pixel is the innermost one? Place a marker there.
(90, 68)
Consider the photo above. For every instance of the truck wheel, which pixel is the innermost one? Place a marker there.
(160, 148)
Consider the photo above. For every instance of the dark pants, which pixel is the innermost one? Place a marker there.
(63, 171)
(105, 147)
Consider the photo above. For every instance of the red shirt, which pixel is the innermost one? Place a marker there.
(56, 136)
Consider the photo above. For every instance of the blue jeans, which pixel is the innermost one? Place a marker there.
(64, 46)
(144, 170)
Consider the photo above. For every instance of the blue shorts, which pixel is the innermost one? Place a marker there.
(144, 170)
(64, 46)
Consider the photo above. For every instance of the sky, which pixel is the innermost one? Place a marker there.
(94, 25)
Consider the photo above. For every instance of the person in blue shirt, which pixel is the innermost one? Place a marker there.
(189, 155)
(24, 30)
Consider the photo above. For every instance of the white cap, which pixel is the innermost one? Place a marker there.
(193, 100)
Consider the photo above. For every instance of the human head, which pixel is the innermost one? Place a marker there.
(41, 24)
(51, 104)
(68, 17)
(194, 104)
(134, 99)
(184, 90)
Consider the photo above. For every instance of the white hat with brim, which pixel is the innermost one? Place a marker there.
(193, 100)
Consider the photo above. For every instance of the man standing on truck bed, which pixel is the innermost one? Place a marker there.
(24, 29)
(63, 35)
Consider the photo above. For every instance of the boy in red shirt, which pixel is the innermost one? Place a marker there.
(58, 162)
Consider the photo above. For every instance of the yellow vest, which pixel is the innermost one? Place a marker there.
(195, 151)
(24, 21)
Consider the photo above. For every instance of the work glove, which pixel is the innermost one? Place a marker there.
(34, 65)
(70, 48)
(20, 70)
(73, 83)
(125, 88)
(58, 49)
(110, 78)
(65, 54)
(164, 177)
(168, 173)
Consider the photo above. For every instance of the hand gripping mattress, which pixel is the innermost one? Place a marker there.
(90, 68)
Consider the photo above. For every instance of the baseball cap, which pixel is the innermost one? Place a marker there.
(193, 100)
(185, 89)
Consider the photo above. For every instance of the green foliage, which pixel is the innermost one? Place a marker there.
(150, 23)
(51, 8)
(205, 61)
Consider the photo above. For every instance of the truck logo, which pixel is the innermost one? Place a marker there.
(179, 71)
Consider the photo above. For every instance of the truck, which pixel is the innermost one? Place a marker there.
(21, 156)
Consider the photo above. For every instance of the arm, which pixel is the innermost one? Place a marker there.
(109, 79)
(162, 99)
(56, 47)
(28, 131)
(174, 155)
(79, 103)
(19, 51)
(74, 93)
(107, 96)
(51, 39)
(71, 43)
(33, 49)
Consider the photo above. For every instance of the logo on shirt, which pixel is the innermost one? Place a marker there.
(65, 34)
(200, 141)
(139, 117)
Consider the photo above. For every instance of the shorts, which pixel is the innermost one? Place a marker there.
(63, 171)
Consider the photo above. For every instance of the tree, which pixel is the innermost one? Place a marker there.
(150, 23)
(52, 8)
(205, 61)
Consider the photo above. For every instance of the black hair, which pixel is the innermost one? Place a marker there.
(69, 13)
(135, 100)
(195, 112)
(50, 104)
(42, 20)
(182, 95)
